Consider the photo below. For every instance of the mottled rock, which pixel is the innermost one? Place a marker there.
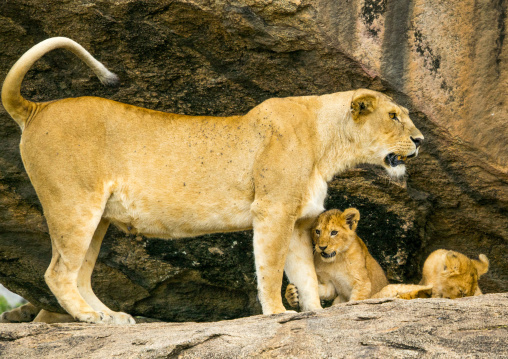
(445, 61)
(474, 327)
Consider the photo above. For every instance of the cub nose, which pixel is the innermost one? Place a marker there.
(322, 248)
(417, 141)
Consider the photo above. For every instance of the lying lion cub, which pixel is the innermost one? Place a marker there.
(446, 274)
(345, 269)
(453, 275)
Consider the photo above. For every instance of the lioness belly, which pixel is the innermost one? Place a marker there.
(169, 215)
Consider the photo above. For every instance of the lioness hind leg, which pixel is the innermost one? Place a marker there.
(85, 276)
(46, 316)
(72, 222)
(24, 313)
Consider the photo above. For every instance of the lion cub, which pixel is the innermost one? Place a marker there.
(452, 274)
(344, 267)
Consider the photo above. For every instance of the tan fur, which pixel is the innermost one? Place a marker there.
(30, 313)
(404, 291)
(93, 162)
(24, 313)
(46, 316)
(452, 274)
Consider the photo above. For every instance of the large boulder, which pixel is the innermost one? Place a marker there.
(473, 327)
(446, 62)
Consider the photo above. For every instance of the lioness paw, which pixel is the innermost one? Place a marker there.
(292, 295)
(121, 318)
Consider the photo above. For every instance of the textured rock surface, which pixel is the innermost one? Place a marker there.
(474, 327)
(444, 60)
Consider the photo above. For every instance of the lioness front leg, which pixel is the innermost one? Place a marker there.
(300, 268)
(272, 231)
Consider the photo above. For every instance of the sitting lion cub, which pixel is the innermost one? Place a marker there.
(344, 267)
(452, 274)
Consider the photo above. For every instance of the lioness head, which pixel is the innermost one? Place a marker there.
(452, 274)
(334, 231)
(391, 135)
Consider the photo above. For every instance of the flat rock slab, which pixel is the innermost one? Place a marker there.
(470, 327)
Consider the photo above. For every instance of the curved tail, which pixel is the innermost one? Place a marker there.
(20, 108)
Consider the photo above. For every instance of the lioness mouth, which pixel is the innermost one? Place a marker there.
(394, 160)
(324, 255)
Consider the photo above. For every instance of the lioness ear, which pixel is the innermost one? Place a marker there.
(482, 266)
(362, 104)
(452, 263)
(352, 216)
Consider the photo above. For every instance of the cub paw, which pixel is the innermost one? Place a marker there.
(292, 295)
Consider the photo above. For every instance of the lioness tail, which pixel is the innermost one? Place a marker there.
(20, 108)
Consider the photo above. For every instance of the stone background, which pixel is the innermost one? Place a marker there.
(444, 60)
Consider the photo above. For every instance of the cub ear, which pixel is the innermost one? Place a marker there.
(362, 104)
(482, 266)
(452, 264)
(352, 216)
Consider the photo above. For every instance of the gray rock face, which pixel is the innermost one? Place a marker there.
(223, 58)
(473, 327)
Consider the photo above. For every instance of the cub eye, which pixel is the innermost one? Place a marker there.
(318, 232)
(333, 233)
(393, 116)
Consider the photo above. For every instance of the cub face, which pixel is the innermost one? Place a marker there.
(333, 232)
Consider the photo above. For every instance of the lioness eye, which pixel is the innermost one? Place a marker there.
(333, 233)
(393, 116)
(318, 232)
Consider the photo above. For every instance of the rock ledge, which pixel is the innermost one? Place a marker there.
(468, 327)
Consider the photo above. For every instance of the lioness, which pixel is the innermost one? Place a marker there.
(344, 267)
(452, 274)
(93, 162)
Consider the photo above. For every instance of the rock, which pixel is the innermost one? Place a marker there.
(375, 328)
(446, 62)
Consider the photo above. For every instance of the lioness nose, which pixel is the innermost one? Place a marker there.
(417, 141)
(322, 248)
